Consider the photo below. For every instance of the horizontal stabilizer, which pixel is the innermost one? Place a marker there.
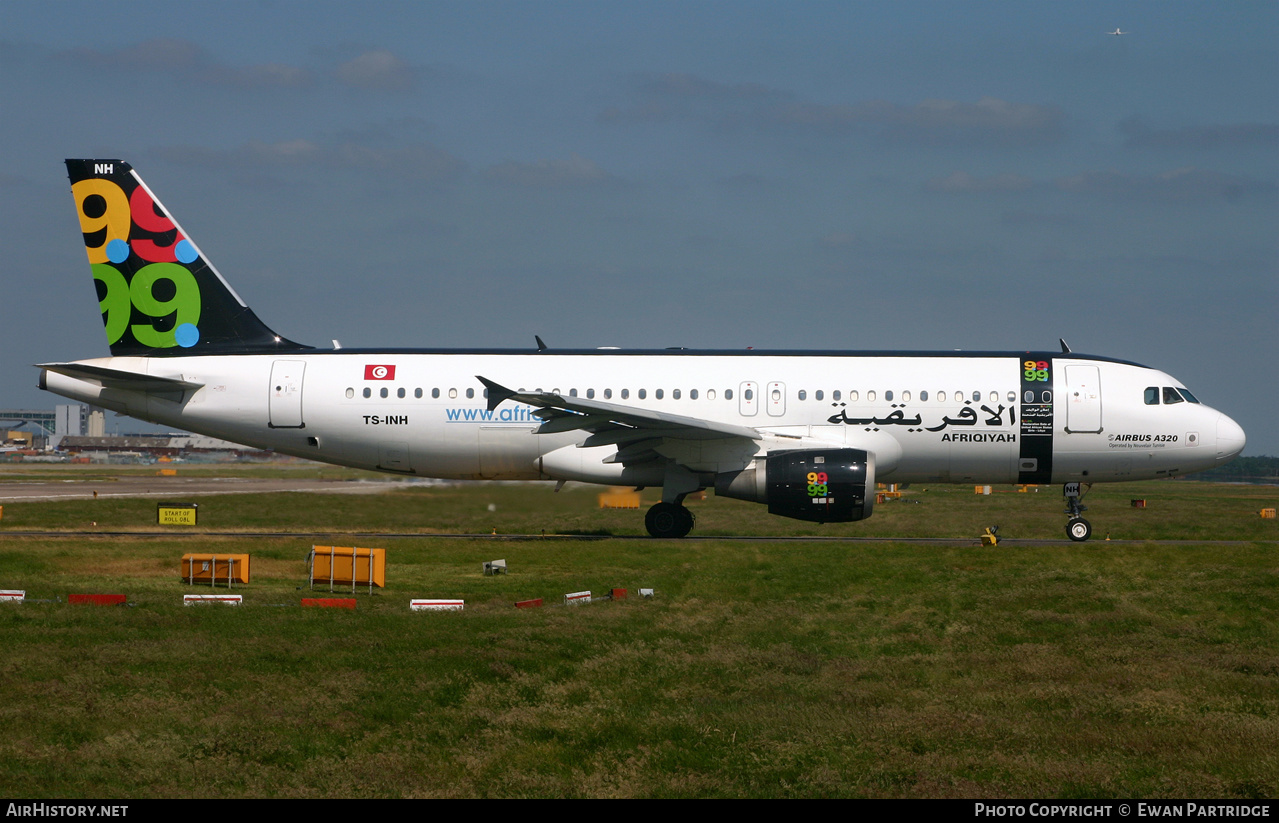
(117, 379)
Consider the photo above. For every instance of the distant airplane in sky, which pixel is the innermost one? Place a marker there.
(1116, 32)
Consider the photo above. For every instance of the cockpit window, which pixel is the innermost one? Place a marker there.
(1152, 395)
(1171, 396)
(1186, 394)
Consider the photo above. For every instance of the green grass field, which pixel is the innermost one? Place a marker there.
(767, 668)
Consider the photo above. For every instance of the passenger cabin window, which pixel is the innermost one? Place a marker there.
(470, 393)
(1171, 396)
(399, 393)
(941, 397)
(835, 395)
(888, 395)
(852, 396)
(590, 394)
(384, 392)
(750, 394)
(452, 394)
(368, 392)
(435, 394)
(1152, 395)
(626, 393)
(870, 397)
(417, 393)
(923, 395)
(350, 393)
(643, 394)
(777, 395)
(658, 394)
(728, 394)
(905, 397)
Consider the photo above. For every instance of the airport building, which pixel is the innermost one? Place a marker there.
(77, 431)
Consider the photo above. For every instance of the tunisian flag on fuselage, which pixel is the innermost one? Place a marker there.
(379, 372)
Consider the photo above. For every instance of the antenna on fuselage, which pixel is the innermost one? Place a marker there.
(540, 345)
(1064, 348)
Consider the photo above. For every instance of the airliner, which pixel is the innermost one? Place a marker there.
(807, 433)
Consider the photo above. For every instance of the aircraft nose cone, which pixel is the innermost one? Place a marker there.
(1230, 439)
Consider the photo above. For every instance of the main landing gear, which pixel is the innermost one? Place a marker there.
(669, 520)
(1077, 528)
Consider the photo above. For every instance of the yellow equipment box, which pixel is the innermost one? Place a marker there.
(215, 569)
(343, 565)
(619, 499)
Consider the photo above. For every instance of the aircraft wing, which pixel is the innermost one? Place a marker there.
(610, 423)
(118, 379)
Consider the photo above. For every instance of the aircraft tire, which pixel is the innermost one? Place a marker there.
(668, 520)
(1078, 529)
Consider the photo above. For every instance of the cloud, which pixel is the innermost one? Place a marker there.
(1236, 135)
(1185, 184)
(931, 121)
(419, 161)
(691, 86)
(681, 96)
(183, 58)
(963, 182)
(161, 54)
(671, 97)
(377, 70)
(575, 172)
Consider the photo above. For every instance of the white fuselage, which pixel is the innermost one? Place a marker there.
(970, 418)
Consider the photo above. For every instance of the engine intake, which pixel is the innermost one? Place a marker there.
(819, 485)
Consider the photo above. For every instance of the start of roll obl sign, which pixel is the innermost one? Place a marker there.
(176, 514)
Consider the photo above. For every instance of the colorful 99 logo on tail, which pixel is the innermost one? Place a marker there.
(142, 263)
(158, 294)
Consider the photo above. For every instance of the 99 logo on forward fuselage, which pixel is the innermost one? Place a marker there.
(139, 258)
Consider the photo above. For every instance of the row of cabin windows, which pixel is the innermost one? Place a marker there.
(417, 393)
(749, 394)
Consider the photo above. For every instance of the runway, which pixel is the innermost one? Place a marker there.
(1004, 542)
(141, 486)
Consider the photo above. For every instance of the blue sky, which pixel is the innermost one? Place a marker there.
(922, 175)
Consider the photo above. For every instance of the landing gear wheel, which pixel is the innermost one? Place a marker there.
(1079, 529)
(668, 520)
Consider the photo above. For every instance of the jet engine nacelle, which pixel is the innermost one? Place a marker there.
(821, 485)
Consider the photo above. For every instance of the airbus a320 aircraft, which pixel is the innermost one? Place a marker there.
(806, 432)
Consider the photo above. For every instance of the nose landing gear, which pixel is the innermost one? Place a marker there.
(1077, 528)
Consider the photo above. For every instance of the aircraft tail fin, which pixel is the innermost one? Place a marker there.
(158, 293)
